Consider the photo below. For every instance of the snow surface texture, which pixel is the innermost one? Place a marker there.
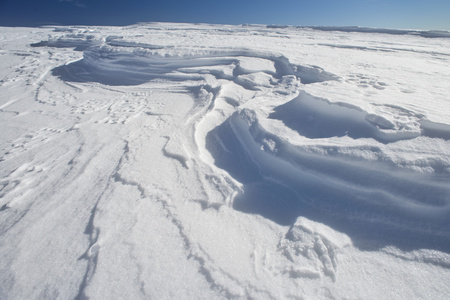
(181, 161)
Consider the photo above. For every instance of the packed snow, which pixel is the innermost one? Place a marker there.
(197, 161)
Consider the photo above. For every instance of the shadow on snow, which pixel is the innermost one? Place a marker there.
(374, 204)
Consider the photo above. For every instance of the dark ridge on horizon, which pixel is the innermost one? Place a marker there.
(423, 33)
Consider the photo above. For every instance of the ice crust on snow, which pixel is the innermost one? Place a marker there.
(199, 161)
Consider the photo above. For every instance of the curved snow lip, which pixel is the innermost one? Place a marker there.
(376, 205)
(110, 67)
(317, 118)
(79, 42)
(127, 63)
(435, 130)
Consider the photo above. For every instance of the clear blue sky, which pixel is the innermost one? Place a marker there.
(402, 14)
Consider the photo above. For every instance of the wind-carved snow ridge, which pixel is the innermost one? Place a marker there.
(173, 150)
(93, 231)
(79, 42)
(133, 65)
(91, 255)
(317, 118)
(368, 200)
(435, 130)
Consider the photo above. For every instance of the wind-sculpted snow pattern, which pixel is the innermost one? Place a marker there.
(367, 199)
(212, 161)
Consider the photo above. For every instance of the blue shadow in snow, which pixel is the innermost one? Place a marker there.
(369, 224)
(316, 118)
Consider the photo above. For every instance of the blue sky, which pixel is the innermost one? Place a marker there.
(403, 14)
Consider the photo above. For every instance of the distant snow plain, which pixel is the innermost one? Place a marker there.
(197, 161)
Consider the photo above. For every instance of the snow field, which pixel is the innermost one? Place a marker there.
(204, 161)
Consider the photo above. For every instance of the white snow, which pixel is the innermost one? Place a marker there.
(199, 161)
